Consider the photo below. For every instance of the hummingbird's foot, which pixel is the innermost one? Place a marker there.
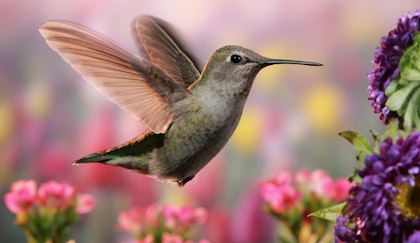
(182, 181)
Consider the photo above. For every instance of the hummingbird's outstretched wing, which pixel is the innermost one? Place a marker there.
(135, 84)
(157, 40)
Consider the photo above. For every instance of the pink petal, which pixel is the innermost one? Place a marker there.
(284, 176)
(302, 177)
(21, 197)
(130, 220)
(170, 215)
(85, 203)
(342, 188)
(171, 238)
(56, 195)
(321, 184)
(201, 215)
(280, 197)
(151, 215)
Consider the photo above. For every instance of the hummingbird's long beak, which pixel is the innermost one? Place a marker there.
(283, 61)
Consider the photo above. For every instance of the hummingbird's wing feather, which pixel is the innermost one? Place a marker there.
(157, 40)
(134, 84)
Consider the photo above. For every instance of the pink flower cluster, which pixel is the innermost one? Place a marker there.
(183, 217)
(280, 193)
(138, 221)
(174, 238)
(22, 196)
(47, 213)
(170, 224)
(286, 191)
(52, 196)
(320, 183)
(291, 197)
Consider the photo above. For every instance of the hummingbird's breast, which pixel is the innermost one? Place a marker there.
(201, 128)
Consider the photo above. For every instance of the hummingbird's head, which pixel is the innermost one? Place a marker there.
(235, 66)
(233, 63)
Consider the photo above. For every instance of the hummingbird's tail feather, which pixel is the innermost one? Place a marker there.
(114, 157)
(134, 154)
(96, 157)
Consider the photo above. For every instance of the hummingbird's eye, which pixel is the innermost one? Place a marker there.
(235, 58)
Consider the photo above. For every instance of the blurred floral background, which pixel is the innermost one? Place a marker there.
(49, 116)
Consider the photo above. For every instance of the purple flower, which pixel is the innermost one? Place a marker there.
(387, 58)
(385, 205)
(342, 233)
(415, 237)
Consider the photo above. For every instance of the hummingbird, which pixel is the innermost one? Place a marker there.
(190, 114)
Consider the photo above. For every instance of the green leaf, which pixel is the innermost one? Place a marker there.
(399, 100)
(412, 74)
(403, 94)
(410, 61)
(411, 116)
(360, 143)
(392, 87)
(330, 213)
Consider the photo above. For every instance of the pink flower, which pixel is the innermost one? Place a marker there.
(342, 188)
(321, 184)
(132, 221)
(284, 177)
(136, 220)
(203, 241)
(151, 215)
(280, 194)
(171, 238)
(56, 196)
(183, 217)
(303, 177)
(318, 182)
(21, 197)
(85, 203)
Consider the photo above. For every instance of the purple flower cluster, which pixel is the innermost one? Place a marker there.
(387, 58)
(384, 207)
